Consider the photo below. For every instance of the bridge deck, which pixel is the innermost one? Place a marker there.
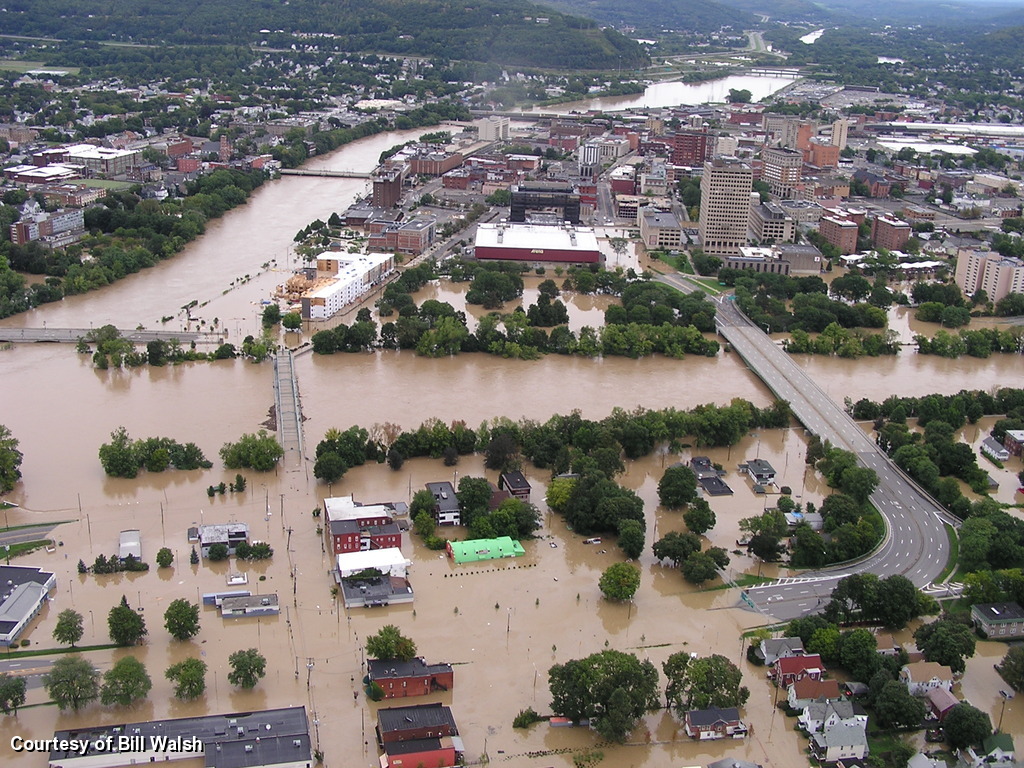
(286, 403)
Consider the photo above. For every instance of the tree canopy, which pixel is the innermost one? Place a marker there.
(125, 682)
(706, 681)
(390, 643)
(620, 581)
(69, 627)
(10, 460)
(589, 688)
(189, 678)
(125, 624)
(72, 682)
(248, 667)
(182, 619)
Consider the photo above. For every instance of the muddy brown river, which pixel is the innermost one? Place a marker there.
(502, 624)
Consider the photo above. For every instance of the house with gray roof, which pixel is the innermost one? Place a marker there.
(270, 738)
(770, 651)
(819, 715)
(842, 741)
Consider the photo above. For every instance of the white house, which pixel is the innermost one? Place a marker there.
(25, 589)
(922, 676)
(843, 741)
(819, 715)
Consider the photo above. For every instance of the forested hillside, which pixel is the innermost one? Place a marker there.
(653, 15)
(513, 32)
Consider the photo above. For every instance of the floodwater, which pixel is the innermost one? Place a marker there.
(672, 94)
(61, 410)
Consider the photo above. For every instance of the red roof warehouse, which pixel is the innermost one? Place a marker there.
(537, 242)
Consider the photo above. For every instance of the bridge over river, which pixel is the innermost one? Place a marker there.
(916, 544)
(72, 335)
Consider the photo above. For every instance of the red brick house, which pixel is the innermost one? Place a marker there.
(399, 679)
(353, 527)
(421, 753)
(788, 670)
(422, 721)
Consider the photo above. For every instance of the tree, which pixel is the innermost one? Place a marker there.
(10, 460)
(126, 682)
(676, 547)
(966, 726)
(699, 567)
(193, 557)
(858, 482)
(247, 667)
(182, 619)
(390, 643)
(164, 557)
(329, 467)
(895, 707)
(631, 538)
(699, 683)
(72, 682)
(292, 321)
(699, 518)
(217, 552)
(677, 487)
(947, 641)
(118, 456)
(69, 627)
(502, 453)
(189, 678)
(474, 495)
(1012, 667)
(12, 693)
(590, 688)
(126, 626)
(620, 581)
(271, 315)
(260, 452)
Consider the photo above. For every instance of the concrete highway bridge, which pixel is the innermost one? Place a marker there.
(916, 544)
(72, 335)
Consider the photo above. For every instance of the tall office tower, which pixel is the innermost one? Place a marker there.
(782, 170)
(725, 191)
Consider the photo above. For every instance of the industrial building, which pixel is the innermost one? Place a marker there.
(271, 738)
(344, 279)
(545, 196)
(534, 242)
(25, 589)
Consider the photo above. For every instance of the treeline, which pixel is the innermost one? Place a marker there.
(982, 342)
(652, 320)
(763, 298)
(935, 460)
(557, 442)
(124, 457)
(836, 340)
(127, 234)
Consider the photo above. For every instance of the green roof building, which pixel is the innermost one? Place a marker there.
(484, 549)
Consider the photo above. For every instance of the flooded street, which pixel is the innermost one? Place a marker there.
(504, 624)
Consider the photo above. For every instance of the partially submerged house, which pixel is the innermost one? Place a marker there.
(24, 590)
(399, 679)
(714, 723)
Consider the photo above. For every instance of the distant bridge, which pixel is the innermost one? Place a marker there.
(773, 72)
(337, 174)
(72, 335)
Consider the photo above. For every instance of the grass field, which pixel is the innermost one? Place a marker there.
(105, 184)
(16, 65)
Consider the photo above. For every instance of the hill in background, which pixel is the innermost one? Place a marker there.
(511, 32)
